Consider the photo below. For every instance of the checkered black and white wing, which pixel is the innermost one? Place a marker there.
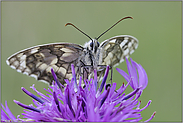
(115, 49)
(37, 61)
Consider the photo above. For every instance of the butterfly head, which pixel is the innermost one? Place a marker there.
(92, 45)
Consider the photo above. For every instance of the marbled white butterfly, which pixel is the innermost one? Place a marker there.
(37, 61)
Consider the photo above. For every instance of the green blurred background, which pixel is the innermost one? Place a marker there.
(157, 26)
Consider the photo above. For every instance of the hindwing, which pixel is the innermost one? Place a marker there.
(117, 48)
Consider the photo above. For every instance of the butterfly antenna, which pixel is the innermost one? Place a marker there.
(78, 30)
(113, 26)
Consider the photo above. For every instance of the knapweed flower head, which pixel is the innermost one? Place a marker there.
(89, 104)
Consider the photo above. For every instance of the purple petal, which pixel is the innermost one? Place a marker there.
(27, 107)
(68, 99)
(11, 116)
(104, 79)
(74, 76)
(134, 76)
(4, 116)
(131, 94)
(146, 105)
(152, 116)
(105, 97)
(56, 101)
(56, 79)
(95, 79)
(130, 71)
(142, 75)
(32, 95)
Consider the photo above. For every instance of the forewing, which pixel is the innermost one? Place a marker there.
(115, 49)
(37, 61)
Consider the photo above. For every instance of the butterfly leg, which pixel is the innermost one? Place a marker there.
(111, 74)
(85, 71)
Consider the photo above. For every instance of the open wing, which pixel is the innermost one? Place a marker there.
(117, 48)
(37, 61)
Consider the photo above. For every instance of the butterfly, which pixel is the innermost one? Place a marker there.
(37, 61)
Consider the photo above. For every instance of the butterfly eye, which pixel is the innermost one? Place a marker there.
(98, 44)
(91, 44)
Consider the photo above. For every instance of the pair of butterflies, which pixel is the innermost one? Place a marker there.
(37, 61)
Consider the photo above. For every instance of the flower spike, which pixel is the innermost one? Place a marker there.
(77, 104)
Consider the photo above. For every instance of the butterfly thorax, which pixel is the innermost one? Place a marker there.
(93, 52)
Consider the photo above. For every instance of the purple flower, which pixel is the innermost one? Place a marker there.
(77, 104)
